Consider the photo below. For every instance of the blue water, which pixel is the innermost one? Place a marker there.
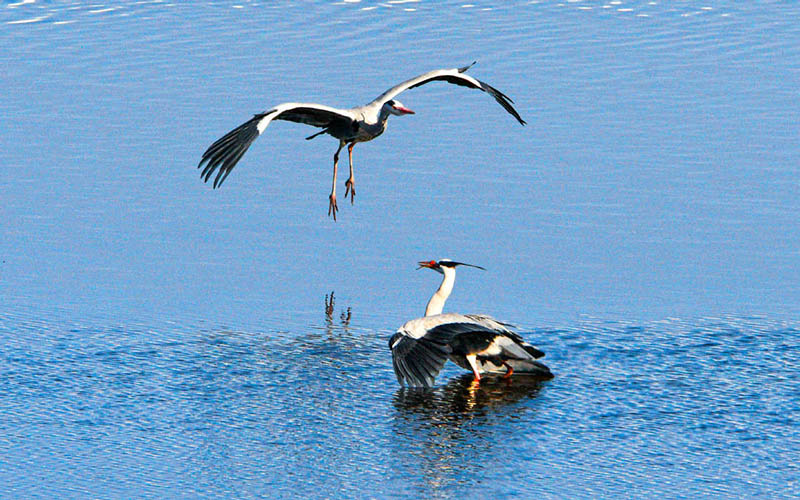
(162, 339)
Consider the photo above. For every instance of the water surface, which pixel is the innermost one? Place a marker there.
(162, 339)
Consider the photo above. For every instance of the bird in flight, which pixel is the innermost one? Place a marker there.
(349, 126)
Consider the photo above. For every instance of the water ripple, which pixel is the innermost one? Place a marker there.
(158, 339)
(322, 402)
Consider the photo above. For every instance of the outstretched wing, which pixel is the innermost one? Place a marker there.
(417, 361)
(455, 76)
(228, 150)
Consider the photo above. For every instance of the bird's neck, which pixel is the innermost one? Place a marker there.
(383, 115)
(436, 304)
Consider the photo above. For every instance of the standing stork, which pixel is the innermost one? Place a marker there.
(350, 126)
(474, 342)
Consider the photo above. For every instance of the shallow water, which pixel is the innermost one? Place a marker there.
(162, 339)
(669, 408)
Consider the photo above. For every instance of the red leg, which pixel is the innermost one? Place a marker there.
(474, 366)
(332, 207)
(509, 371)
(350, 184)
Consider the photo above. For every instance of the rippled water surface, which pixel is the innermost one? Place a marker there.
(162, 339)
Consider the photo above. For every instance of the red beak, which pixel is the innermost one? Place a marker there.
(404, 110)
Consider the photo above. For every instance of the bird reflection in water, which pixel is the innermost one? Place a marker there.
(447, 433)
(344, 316)
(464, 396)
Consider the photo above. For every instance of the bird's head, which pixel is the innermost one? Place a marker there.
(396, 108)
(440, 266)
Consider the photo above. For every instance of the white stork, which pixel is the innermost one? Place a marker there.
(350, 126)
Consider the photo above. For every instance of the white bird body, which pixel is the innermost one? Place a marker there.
(417, 328)
(349, 126)
(474, 342)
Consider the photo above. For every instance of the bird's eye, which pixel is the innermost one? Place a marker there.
(390, 103)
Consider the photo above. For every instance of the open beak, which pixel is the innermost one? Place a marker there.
(426, 263)
(403, 110)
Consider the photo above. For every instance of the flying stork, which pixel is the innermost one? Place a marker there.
(349, 126)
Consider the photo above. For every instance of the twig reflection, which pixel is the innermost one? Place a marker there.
(344, 316)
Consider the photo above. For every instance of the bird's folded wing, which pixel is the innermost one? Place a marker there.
(505, 329)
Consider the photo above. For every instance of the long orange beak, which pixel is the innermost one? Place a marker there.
(430, 264)
(404, 110)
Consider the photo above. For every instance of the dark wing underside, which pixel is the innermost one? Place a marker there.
(417, 361)
(223, 155)
(312, 116)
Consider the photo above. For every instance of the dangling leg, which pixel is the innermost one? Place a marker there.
(350, 184)
(509, 370)
(332, 208)
(474, 365)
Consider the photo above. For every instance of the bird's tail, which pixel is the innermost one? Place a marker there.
(520, 366)
(530, 367)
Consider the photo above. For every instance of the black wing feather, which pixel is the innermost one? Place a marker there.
(500, 97)
(228, 149)
(416, 362)
(311, 116)
(226, 152)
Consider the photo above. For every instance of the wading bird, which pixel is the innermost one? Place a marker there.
(350, 126)
(474, 342)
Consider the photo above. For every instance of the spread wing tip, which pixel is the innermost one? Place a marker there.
(503, 100)
(416, 362)
(226, 151)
